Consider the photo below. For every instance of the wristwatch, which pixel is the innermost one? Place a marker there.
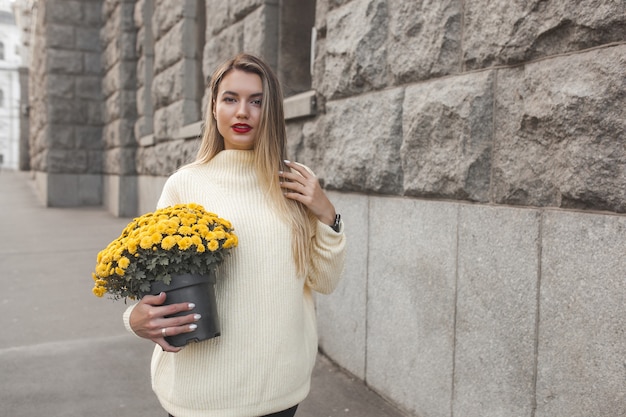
(335, 226)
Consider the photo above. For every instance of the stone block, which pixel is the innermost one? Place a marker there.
(341, 324)
(88, 39)
(356, 144)
(66, 12)
(178, 43)
(119, 132)
(260, 33)
(92, 63)
(582, 327)
(497, 33)
(61, 136)
(89, 137)
(168, 13)
(60, 36)
(496, 311)
(93, 14)
(411, 302)
(66, 161)
(168, 120)
(238, 10)
(64, 61)
(448, 137)
(356, 45)
(221, 47)
(66, 111)
(217, 17)
(424, 39)
(94, 110)
(143, 126)
(120, 195)
(179, 81)
(166, 157)
(121, 104)
(61, 85)
(89, 87)
(150, 188)
(119, 161)
(558, 124)
(71, 190)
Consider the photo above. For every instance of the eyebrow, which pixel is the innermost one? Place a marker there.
(233, 93)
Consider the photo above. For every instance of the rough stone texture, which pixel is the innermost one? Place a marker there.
(342, 329)
(496, 311)
(582, 328)
(356, 144)
(411, 297)
(424, 39)
(560, 127)
(166, 157)
(355, 49)
(448, 139)
(507, 32)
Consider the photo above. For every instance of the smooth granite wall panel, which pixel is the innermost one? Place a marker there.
(498, 272)
(342, 314)
(411, 296)
(582, 328)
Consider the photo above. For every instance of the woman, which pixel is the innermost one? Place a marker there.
(291, 243)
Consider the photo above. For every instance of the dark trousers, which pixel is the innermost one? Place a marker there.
(286, 413)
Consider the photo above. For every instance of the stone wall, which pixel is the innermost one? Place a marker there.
(65, 96)
(475, 150)
(477, 153)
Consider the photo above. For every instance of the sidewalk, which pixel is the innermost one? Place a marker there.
(64, 352)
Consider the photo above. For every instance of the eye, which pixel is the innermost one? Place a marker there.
(256, 102)
(229, 99)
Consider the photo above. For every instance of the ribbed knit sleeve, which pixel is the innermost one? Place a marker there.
(328, 252)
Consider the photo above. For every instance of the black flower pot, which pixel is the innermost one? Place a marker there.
(197, 289)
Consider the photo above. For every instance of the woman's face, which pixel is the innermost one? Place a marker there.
(238, 109)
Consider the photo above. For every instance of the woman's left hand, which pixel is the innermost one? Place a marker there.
(304, 187)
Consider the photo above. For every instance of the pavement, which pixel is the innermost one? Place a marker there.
(65, 352)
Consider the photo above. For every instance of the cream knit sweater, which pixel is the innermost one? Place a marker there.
(263, 360)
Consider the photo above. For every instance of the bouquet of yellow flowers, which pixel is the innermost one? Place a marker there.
(182, 239)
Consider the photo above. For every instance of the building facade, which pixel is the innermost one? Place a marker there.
(9, 88)
(476, 150)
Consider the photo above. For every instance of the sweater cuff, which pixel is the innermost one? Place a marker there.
(126, 319)
(326, 229)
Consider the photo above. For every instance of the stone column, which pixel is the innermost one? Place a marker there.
(66, 103)
(119, 36)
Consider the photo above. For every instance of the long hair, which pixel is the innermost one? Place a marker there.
(269, 148)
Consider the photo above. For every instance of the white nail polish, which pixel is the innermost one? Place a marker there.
(193, 326)
(287, 161)
(191, 306)
(197, 317)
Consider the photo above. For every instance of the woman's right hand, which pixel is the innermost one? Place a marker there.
(148, 320)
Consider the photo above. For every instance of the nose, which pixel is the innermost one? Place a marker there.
(242, 110)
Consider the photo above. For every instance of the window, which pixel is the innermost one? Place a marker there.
(297, 19)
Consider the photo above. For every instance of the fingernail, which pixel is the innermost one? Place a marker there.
(191, 306)
(287, 161)
(193, 326)
(197, 317)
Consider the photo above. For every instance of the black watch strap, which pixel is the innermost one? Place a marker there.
(335, 226)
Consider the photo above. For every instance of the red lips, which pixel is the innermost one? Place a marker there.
(241, 128)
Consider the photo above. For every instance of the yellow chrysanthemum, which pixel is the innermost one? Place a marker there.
(124, 262)
(200, 248)
(146, 242)
(213, 245)
(184, 243)
(168, 242)
(185, 230)
(99, 291)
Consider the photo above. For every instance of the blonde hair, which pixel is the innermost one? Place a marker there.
(269, 148)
